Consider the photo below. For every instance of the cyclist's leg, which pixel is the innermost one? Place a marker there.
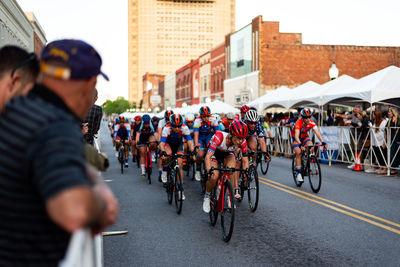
(126, 147)
(230, 162)
(180, 150)
(153, 144)
(133, 149)
(142, 151)
(165, 162)
(263, 147)
(297, 151)
(210, 184)
(252, 145)
(200, 157)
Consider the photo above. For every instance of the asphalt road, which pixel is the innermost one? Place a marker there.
(354, 220)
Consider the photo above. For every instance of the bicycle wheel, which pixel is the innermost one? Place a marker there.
(228, 211)
(263, 164)
(148, 166)
(121, 157)
(314, 174)
(203, 177)
(170, 186)
(253, 189)
(213, 207)
(294, 172)
(178, 190)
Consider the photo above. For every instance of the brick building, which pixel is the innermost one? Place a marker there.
(151, 91)
(183, 82)
(260, 58)
(205, 70)
(217, 72)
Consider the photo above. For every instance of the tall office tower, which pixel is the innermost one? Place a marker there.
(166, 34)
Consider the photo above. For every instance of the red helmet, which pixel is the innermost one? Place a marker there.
(244, 109)
(205, 111)
(168, 114)
(176, 120)
(238, 129)
(138, 118)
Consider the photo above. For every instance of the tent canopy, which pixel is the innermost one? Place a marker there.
(215, 106)
(300, 93)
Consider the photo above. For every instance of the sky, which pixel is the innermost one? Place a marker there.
(103, 24)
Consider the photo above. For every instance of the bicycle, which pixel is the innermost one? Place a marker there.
(250, 183)
(174, 185)
(260, 160)
(223, 202)
(121, 157)
(148, 161)
(203, 177)
(190, 167)
(309, 167)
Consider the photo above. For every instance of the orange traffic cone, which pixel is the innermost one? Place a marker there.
(357, 166)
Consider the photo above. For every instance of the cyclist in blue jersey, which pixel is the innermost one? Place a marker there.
(204, 129)
(122, 137)
(172, 143)
(145, 133)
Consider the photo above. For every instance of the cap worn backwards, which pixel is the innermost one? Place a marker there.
(82, 60)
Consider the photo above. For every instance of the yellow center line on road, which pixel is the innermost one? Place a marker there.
(330, 206)
(334, 203)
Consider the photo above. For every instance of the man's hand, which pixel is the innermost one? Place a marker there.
(111, 210)
(85, 128)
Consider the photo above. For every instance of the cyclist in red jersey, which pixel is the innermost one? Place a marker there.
(300, 137)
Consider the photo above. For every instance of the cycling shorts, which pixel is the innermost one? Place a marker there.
(303, 141)
(204, 143)
(143, 138)
(219, 156)
(176, 148)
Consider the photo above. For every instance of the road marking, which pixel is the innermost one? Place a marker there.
(333, 202)
(107, 181)
(333, 207)
(115, 233)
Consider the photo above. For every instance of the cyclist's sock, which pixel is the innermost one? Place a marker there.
(142, 167)
(126, 160)
(160, 171)
(298, 169)
(207, 194)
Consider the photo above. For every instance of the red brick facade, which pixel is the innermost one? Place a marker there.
(183, 85)
(217, 72)
(285, 60)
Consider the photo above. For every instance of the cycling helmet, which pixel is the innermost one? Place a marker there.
(262, 118)
(217, 117)
(238, 129)
(155, 119)
(168, 114)
(230, 116)
(189, 117)
(305, 112)
(251, 115)
(244, 109)
(205, 111)
(176, 120)
(146, 118)
(121, 118)
(138, 118)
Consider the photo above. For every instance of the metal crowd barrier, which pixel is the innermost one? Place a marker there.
(345, 144)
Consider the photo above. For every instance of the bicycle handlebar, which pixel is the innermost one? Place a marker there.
(226, 170)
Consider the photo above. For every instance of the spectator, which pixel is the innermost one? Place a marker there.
(18, 73)
(47, 190)
(330, 118)
(339, 120)
(393, 130)
(352, 119)
(292, 120)
(378, 140)
(93, 119)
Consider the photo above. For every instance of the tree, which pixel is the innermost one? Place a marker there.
(117, 106)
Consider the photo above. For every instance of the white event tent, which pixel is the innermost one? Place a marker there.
(215, 106)
(273, 98)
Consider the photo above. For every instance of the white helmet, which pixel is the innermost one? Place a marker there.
(251, 115)
(217, 117)
(189, 117)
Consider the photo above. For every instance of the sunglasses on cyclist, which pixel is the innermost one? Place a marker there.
(175, 126)
(29, 59)
(252, 122)
(306, 117)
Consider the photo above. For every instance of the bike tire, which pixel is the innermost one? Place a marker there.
(253, 189)
(203, 177)
(178, 190)
(228, 211)
(170, 186)
(264, 166)
(121, 158)
(314, 174)
(149, 167)
(294, 173)
(213, 208)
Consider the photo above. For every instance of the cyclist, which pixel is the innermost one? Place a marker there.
(222, 148)
(300, 137)
(134, 126)
(203, 128)
(256, 133)
(243, 111)
(189, 120)
(161, 124)
(172, 143)
(227, 121)
(122, 137)
(145, 133)
(154, 121)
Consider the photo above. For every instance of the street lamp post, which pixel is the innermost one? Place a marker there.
(333, 72)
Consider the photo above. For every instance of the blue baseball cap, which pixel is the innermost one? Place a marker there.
(82, 60)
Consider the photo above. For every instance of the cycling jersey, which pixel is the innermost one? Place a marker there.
(191, 129)
(257, 131)
(162, 123)
(218, 142)
(205, 128)
(122, 133)
(170, 137)
(144, 132)
(266, 126)
(304, 129)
